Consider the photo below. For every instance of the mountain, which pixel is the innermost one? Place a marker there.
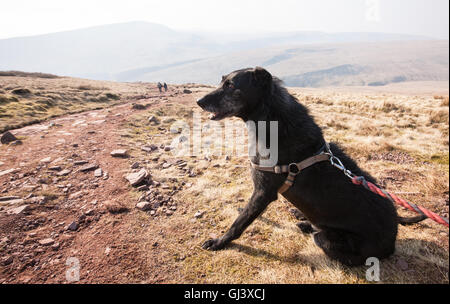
(103, 51)
(317, 65)
(142, 51)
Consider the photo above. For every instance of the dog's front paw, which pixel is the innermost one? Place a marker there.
(213, 244)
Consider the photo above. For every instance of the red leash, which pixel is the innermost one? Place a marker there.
(360, 180)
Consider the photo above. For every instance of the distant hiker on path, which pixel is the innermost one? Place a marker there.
(159, 87)
(165, 87)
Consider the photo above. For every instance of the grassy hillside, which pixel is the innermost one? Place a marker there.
(27, 98)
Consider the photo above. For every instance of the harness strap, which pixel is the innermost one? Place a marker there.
(293, 169)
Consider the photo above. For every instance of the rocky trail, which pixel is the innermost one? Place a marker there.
(63, 195)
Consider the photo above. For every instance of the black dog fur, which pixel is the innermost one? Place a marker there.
(352, 223)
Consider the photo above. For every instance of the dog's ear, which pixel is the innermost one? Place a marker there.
(262, 76)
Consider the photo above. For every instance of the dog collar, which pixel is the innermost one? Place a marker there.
(294, 169)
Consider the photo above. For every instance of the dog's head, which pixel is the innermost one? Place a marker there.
(238, 94)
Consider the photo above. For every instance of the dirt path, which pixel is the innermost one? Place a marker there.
(102, 242)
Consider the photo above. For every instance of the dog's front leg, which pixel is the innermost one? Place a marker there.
(258, 203)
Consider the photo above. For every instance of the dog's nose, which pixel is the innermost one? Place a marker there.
(200, 101)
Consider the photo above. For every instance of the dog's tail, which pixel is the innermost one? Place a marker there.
(411, 220)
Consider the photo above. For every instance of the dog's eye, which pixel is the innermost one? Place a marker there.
(229, 85)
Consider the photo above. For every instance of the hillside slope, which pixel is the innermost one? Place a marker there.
(325, 65)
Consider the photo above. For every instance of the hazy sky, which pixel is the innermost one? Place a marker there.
(423, 17)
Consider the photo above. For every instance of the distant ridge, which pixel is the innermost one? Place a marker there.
(142, 51)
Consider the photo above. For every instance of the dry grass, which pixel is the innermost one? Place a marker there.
(30, 98)
(391, 135)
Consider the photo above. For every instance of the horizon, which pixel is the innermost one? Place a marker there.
(225, 33)
(257, 17)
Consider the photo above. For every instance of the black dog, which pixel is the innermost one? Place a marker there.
(353, 224)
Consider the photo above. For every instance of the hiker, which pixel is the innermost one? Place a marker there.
(165, 87)
(159, 87)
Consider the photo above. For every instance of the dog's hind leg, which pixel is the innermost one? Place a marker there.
(340, 246)
(258, 203)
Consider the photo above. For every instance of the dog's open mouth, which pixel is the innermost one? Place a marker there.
(217, 115)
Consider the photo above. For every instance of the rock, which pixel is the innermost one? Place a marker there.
(138, 106)
(7, 260)
(13, 170)
(73, 226)
(88, 167)
(149, 148)
(7, 138)
(167, 148)
(76, 195)
(169, 120)
(46, 160)
(89, 212)
(107, 250)
(119, 153)
(19, 210)
(44, 181)
(186, 91)
(135, 165)
(8, 198)
(198, 214)
(37, 200)
(63, 172)
(13, 202)
(98, 172)
(4, 240)
(21, 91)
(55, 168)
(81, 218)
(47, 242)
(166, 165)
(55, 246)
(153, 120)
(80, 162)
(142, 188)
(136, 178)
(175, 130)
(143, 206)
